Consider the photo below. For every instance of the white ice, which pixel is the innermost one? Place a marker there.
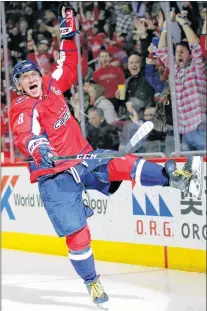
(36, 282)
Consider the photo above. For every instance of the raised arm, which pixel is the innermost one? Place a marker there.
(66, 71)
(193, 40)
(162, 27)
(190, 34)
(162, 51)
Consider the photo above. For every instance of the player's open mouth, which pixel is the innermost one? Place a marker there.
(34, 90)
(33, 87)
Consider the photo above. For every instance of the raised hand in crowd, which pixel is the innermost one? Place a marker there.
(150, 23)
(185, 24)
(181, 18)
(132, 112)
(75, 103)
(160, 19)
(141, 30)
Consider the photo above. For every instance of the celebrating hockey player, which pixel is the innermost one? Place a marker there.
(43, 127)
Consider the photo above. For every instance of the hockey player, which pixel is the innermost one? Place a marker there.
(43, 127)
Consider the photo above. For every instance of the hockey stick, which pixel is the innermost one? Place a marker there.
(142, 132)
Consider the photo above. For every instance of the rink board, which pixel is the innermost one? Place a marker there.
(152, 226)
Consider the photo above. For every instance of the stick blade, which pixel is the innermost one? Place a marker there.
(141, 133)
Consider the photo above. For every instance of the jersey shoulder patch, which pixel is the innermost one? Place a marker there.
(21, 99)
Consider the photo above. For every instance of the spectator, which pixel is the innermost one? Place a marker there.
(142, 36)
(106, 16)
(100, 134)
(42, 55)
(98, 39)
(124, 21)
(17, 40)
(109, 77)
(139, 8)
(87, 21)
(156, 114)
(157, 76)
(190, 79)
(157, 79)
(42, 31)
(50, 18)
(97, 99)
(192, 10)
(74, 103)
(4, 120)
(203, 39)
(135, 112)
(111, 11)
(137, 85)
(155, 141)
(50, 25)
(117, 49)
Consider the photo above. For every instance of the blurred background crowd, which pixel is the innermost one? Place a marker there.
(125, 69)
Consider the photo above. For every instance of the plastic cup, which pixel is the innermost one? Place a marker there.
(121, 87)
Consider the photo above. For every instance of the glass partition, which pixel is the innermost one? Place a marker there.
(138, 61)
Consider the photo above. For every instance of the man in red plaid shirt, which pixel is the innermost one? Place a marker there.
(190, 80)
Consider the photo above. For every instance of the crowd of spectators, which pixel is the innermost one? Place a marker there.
(125, 68)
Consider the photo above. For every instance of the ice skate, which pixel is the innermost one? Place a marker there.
(99, 297)
(190, 178)
(196, 183)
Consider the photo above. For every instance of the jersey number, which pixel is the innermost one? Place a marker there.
(21, 118)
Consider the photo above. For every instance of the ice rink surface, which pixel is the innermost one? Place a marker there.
(35, 282)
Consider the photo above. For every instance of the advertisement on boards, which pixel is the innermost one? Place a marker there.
(154, 216)
(21, 207)
(134, 214)
(193, 227)
(165, 216)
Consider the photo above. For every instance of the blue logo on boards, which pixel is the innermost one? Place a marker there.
(150, 209)
(8, 183)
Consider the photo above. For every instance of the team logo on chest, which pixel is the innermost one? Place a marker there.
(62, 120)
(57, 92)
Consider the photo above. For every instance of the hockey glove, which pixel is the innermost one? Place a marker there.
(67, 22)
(41, 151)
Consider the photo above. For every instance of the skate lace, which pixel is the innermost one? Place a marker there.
(183, 173)
(96, 290)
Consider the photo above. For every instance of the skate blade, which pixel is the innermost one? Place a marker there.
(103, 306)
(196, 184)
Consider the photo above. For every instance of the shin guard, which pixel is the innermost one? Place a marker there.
(149, 173)
(81, 254)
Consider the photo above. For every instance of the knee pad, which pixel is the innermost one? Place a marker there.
(79, 240)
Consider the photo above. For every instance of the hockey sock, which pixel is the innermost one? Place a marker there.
(119, 169)
(149, 173)
(83, 263)
(136, 169)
